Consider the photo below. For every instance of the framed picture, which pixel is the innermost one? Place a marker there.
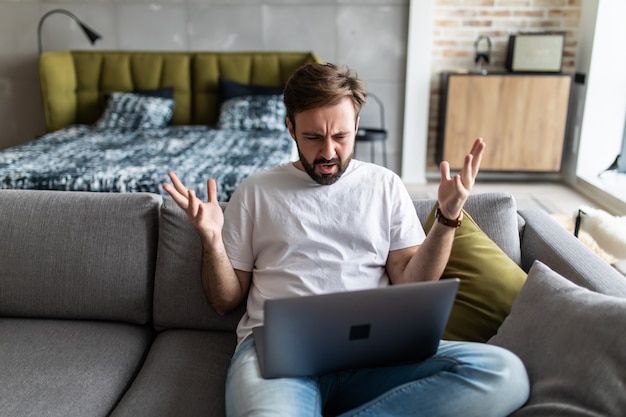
(535, 52)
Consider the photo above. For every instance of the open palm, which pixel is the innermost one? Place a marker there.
(453, 191)
(206, 217)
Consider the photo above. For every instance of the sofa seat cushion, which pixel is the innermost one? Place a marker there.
(184, 375)
(67, 368)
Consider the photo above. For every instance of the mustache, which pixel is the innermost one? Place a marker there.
(323, 161)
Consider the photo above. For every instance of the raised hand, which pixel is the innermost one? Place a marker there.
(453, 192)
(206, 217)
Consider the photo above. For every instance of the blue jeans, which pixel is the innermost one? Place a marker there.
(461, 379)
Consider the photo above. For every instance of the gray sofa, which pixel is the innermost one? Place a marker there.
(102, 311)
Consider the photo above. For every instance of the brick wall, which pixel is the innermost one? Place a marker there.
(459, 23)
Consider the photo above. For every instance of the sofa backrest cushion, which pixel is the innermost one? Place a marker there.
(179, 300)
(78, 255)
(496, 215)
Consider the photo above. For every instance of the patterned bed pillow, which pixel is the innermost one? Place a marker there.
(258, 112)
(136, 111)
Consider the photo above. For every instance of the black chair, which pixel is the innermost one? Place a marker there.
(375, 134)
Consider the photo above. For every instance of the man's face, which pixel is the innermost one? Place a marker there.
(325, 140)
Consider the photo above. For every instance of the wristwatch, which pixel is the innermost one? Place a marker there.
(448, 222)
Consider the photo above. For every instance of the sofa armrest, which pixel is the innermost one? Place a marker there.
(545, 240)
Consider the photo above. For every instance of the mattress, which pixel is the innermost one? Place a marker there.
(84, 158)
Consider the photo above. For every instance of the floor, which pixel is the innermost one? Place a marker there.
(552, 197)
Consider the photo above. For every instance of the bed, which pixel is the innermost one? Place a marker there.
(119, 121)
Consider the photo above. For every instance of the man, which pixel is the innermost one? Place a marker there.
(329, 223)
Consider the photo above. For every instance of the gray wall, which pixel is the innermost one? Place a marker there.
(368, 35)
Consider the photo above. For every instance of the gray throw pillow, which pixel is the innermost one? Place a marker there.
(572, 342)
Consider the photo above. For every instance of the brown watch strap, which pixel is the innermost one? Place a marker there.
(448, 222)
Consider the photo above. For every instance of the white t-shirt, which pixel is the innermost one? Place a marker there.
(298, 237)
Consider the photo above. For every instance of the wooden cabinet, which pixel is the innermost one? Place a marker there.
(521, 117)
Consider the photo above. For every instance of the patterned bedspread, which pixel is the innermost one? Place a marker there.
(81, 158)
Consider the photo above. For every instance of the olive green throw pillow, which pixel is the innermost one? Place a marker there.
(490, 281)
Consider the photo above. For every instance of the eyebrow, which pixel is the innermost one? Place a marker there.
(314, 133)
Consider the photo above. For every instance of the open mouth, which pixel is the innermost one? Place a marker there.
(326, 168)
(324, 171)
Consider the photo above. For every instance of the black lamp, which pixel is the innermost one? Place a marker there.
(89, 33)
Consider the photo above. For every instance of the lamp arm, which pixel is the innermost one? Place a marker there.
(93, 36)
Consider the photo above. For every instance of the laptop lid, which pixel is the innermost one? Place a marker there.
(314, 335)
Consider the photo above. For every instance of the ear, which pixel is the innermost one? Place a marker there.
(290, 127)
(356, 125)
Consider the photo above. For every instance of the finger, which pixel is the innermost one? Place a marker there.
(467, 174)
(463, 192)
(211, 187)
(193, 203)
(180, 187)
(459, 185)
(477, 152)
(180, 199)
(178, 192)
(478, 142)
(170, 190)
(444, 169)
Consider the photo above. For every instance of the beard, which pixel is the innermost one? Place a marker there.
(324, 179)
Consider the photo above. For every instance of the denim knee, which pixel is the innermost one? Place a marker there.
(510, 377)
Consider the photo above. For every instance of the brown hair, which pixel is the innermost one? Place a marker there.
(318, 85)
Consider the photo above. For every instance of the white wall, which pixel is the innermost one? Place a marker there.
(417, 93)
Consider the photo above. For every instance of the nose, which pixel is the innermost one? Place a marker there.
(327, 150)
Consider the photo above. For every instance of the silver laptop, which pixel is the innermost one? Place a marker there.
(315, 335)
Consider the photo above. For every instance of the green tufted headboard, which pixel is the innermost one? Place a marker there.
(74, 83)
